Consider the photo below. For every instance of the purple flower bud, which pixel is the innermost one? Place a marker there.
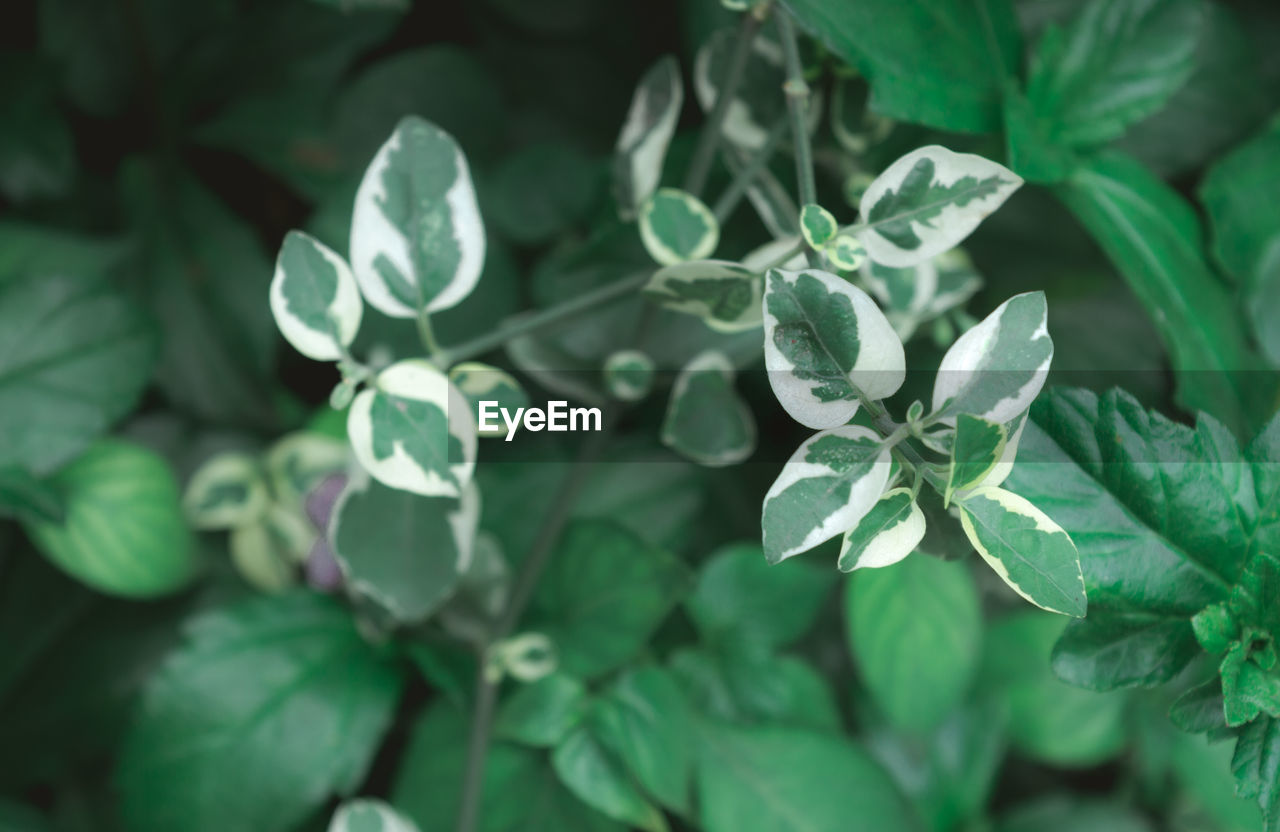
(323, 497)
(322, 570)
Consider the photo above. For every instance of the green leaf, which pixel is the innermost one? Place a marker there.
(1154, 508)
(707, 421)
(541, 191)
(228, 490)
(542, 713)
(300, 461)
(369, 816)
(314, 298)
(886, 534)
(628, 375)
(268, 708)
(817, 225)
(417, 240)
(740, 683)
(124, 532)
(913, 53)
(1030, 553)
(725, 295)
(402, 550)
(267, 552)
(25, 497)
(597, 778)
(928, 201)
(976, 449)
(915, 629)
(828, 485)
(642, 144)
(643, 720)
(770, 778)
(739, 597)
(996, 369)
(846, 252)
(1256, 767)
(74, 357)
(1245, 222)
(1068, 813)
(37, 150)
(826, 344)
(1048, 719)
(603, 594)
(479, 382)
(1153, 238)
(413, 430)
(676, 227)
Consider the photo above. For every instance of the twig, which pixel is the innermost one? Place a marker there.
(797, 91)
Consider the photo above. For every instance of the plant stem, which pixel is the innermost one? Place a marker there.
(891, 429)
(696, 178)
(521, 592)
(797, 91)
(425, 335)
(747, 174)
(531, 322)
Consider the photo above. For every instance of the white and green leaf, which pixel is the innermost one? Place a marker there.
(227, 490)
(886, 534)
(826, 344)
(846, 252)
(996, 369)
(976, 449)
(707, 421)
(479, 382)
(298, 462)
(725, 295)
(1030, 552)
(267, 552)
(417, 239)
(928, 201)
(676, 227)
(642, 144)
(366, 815)
(414, 431)
(817, 225)
(628, 375)
(314, 298)
(786, 252)
(825, 488)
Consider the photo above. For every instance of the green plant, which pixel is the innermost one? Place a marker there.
(515, 536)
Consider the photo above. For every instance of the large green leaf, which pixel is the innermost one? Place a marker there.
(1154, 239)
(744, 685)
(915, 629)
(268, 708)
(914, 52)
(603, 594)
(74, 356)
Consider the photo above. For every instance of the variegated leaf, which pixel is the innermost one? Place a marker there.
(826, 344)
(786, 252)
(976, 449)
(267, 552)
(413, 430)
(914, 295)
(479, 382)
(314, 298)
(1030, 552)
(628, 375)
(817, 225)
(676, 227)
(369, 816)
(825, 489)
(997, 368)
(890, 531)
(725, 295)
(928, 201)
(228, 490)
(846, 252)
(642, 144)
(707, 421)
(417, 240)
(298, 462)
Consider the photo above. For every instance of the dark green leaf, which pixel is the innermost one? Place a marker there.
(542, 713)
(588, 770)
(23, 496)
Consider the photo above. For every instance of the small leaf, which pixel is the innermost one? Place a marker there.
(417, 240)
(725, 295)
(976, 449)
(928, 201)
(817, 225)
(642, 144)
(599, 780)
(369, 816)
(124, 533)
(707, 421)
(828, 485)
(676, 227)
(404, 551)
(314, 298)
(1030, 552)
(915, 629)
(542, 713)
(226, 491)
(826, 344)
(628, 375)
(300, 461)
(996, 369)
(846, 252)
(1256, 766)
(890, 531)
(267, 555)
(479, 382)
(413, 430)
